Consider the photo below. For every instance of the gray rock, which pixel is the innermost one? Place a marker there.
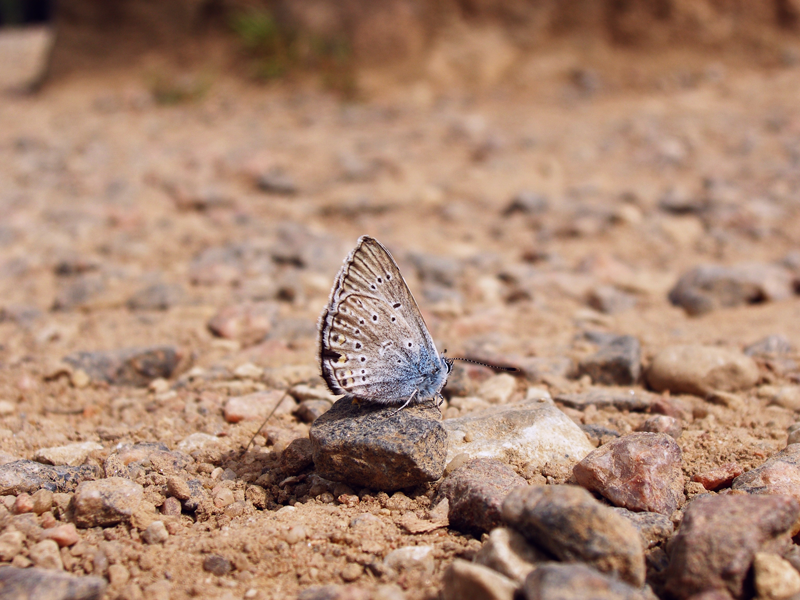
(467, 581)
(79, 292)
(507, 552)
(610, 300)
(615, 363)
(700, 370)
(276, 182)
(129, 366)
(527, 203)
(533, 432)
(41, 584)
(217, 565)
(366, 445)
(297, 456)
(197, 496)
(709, 287)
(158, 296)
(772, 345)
(598, 434)
(554, 581)
(638, 471)
(634, 401)
(106, 502)
(476, 492)
(719, 537)
(568, 522)
(27, 476)
(654, 528)
(779, 474)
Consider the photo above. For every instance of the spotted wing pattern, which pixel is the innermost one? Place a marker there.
(374, 343)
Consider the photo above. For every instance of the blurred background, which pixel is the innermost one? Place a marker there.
(535, 165)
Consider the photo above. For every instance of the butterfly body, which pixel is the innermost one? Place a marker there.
(373, 341)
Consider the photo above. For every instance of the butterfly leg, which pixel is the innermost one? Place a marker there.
(410, 398)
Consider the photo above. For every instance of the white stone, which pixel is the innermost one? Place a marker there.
(468, 581)
(508, 553)
(775, 577)
(72, 455)
(535, 432)
(197, 441)
(409, 557)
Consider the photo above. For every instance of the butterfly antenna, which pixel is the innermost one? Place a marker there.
(272, 412)
(483, 364)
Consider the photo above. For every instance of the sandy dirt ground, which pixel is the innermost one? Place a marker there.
(105, 192)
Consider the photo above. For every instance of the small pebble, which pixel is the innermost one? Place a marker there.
(720, 477)
(11, 544)
(217, 565)
(156, 533)
(45, 554)
(295, 534)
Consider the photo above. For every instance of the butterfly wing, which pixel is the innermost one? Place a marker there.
(374, 343)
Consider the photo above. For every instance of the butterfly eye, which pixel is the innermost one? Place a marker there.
(394, 319)
(396, 305)
(380, 280)
(372, 287)
(375, 318)
(409, 344)
(358, 345)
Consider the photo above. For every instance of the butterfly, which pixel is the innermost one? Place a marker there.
(373, 341)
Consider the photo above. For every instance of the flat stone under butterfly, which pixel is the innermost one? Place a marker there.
(373, 341)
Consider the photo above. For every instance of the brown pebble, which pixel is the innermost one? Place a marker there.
(42, 501)
(178, 488)
(171, 507)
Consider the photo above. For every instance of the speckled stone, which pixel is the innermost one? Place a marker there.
(719, 537)
(128, 366)
(106, 502)
(366, 445)
(476, 492)
(29, 476)
(571, 524)
(46, 583)
(708, 287)
(617, 362)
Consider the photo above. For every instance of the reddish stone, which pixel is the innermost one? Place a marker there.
(720, 477)
(639, 471)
